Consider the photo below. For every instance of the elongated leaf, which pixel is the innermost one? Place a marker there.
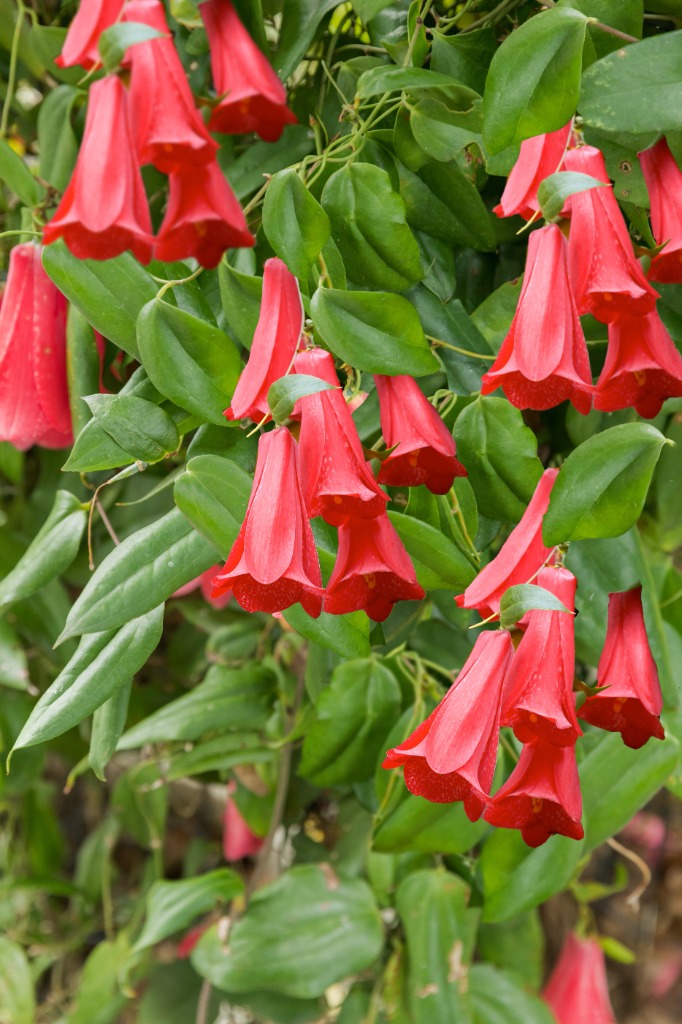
(13, 661)
(299, 24)
(115, 41)
(213, 494)
(82, 366)
(285, 392)
(602, 486)
(348, 635)
(375, 331)
(498, 998)
(524, 598)
(450, 323)
(18, 178)
(439, 564)
(333, 930)
(555, 190)
(108, 722)
(140, 428)
(103, 663)
(56, 136)
(516, 878)
(534, 79)
(241, 298)
(294, 223)
(388, 78)
(415, 825)
(172, 906)
(51, 551)
(17, 1001)
(138, 575)
(465, 56)
(443, 202)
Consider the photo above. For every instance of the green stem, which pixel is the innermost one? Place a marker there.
(439, 343)
(12, 75)
(457, 509)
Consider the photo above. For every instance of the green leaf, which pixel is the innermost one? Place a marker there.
(51, 551)
(625, 16)
(500, 454)
(440, 930)
(57, 141)
(368, 225)
(637, 88)
(114, 41)
(374, 331)
(300, 21)
(516, 946)
(354, 714)
(82, 366)
(17, 177)
(140, 428)
(285, 392)
(499, 998)
(526, 597)
(348, 635)
(102, 664)
(439, 564)
(13, 661)
(226, 699)
(333, 930)
(246, 172)
(241, 297)
(603, 483)
(108, 722)
(109, 293)
(17, 1001)
(444, 203)
(142, 572)
(534, 79)
(218, 755)
(191, 362)
(415, 825)
(450, 323)
(516, 878)
(172, 906)
(388, 78)
(99, 999)
(213, 494)
(465, 56)
(441, 129)
(555, 190)
(294, 223)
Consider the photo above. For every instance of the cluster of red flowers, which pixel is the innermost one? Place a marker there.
(452, 755)
(543, 359)
(273, 563)
(155, 121)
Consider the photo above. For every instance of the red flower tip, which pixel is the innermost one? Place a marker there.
(90, 20)
(633, 702)
(539, 157)
(578, 988)
(238, 839)
(664, 183)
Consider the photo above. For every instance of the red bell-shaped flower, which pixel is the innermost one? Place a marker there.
(34, 397)
(519, 558)
(335, 476)
(425, 452)
(539, 700)
(642, 368)
(577, 991)
(543, 359)
(539, 157)
(104, 209)
(90, 20)
(203, 218)
(372, 570)
(664, 183)
(451, 756)
(633, 702)
(167, 126)
(607, 279)
(238, 839)
(252, 98)
(542, 795)
(274, 343)
(273, 562)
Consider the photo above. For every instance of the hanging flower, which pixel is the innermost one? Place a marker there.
(664, 182)
(539, 157)
(578, 988)
(90, 20)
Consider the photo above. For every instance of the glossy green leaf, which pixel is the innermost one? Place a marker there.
(226, 699)
(57, 139)
(102, 664)
(354, 714)
(555, 190)
(241, 298)
(517, 946)
(138, 575)
(17, 1001)
(109, 293)
(526, 597)
(465, 56)
(172, 906)
(13, 661)
(51, 551)
(82, 366)
(516, 878)
(443, 202)
(450, 324)
(348, 635)
(16, 175)
(439, 564)
(213, 494)
(624, 16)
(219, 754)
(188, 360)
(140, 428)
(368, 225)
(299, 24)
(294, 223)
(414, 825)
(534, 79)
(285, 392)
(333, 930)
(374, 331)
(442, 128)
(499, 998)
(500, 455)
(115, 41)
(602, 486)
(108, 722)
(388, 78)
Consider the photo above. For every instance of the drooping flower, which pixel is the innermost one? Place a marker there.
(539, 157)
(451, 756)
(578, 989)
(203, 218)
(167, 126)
(372, 570)
(335, 476)
(539, 700)
(606, 277)
(251, 96)
(34, 396)
(104, 209)
(633, 702)
(642, 368)
(90, 20)
(274, 343)
(425, 452)
(273, 562)
(519, 558)
(542, 795)
(543, 359)
(238, 839)
(664, 183)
